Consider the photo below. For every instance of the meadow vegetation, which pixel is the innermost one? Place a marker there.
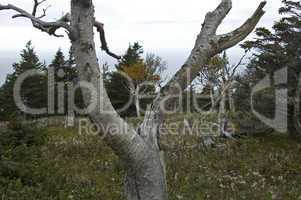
(57, 163)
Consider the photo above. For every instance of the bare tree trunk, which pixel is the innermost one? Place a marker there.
(231, 100)
(223, 117)
(212, 99)
(222, 113)
(137, 105)
(145, 173)
(140, 151)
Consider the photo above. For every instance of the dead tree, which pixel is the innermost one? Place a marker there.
(138, 150)
(210, 77)
(220, 75)
(225, 83)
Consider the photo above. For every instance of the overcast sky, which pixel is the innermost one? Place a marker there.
(167, 28)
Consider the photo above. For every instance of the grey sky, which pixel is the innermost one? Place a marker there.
(167, 28)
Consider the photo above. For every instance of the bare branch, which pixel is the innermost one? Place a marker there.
(208, 44)
(48, 27)
(223, 91)
(44, 12)
(234, 69)
(231, 39)
(36, 5)
(104, 46)
(215, 18)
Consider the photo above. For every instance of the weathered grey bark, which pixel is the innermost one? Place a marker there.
(137, 105)
(37, 22)
(226, 101)
(231, 100)
(135, 93)
(145, 173)
(208, 44)
(140, 150)
(223, 119)
(212, 98)
(222, 113)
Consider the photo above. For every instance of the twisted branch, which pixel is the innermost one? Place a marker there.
(104, 45)
(48, 27)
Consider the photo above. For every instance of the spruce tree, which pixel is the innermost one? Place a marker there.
(117, 83)
(65, 73)
(7, 106)
(275, 50)
(133, 67)
(34, 88)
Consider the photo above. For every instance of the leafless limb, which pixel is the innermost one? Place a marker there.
(104, 46)
(228, 40)
(36, 5)
(48, 27)
(44, 12)
(219, 98)
(208, 44)
(235, 67)
(52, 27)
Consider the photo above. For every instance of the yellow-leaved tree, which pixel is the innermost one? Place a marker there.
(137, 79)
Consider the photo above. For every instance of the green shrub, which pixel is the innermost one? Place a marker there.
(19, 134)
(19, 146)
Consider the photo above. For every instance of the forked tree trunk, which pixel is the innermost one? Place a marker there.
(141, 156)
(140, 150)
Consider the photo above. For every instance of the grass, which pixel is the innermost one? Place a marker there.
(69, 166)
(252, 168)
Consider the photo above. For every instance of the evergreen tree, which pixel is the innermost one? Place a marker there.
(275, 50)
(73, 77)
(132, 56)
(7, 106)
(134, 68)
(58, 63)
(57, 67)
(117, 86)
(34, 88)
(65, 73)
(71, 71)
